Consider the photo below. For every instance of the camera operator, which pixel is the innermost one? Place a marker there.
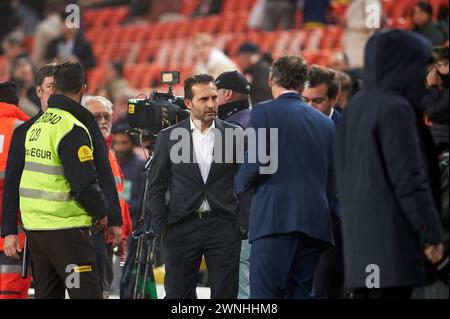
(200, 218)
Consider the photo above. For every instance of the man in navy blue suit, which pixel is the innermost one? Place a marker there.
(290, 219)
(322, 91)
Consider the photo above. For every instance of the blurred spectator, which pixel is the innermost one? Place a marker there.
(28, 18)
(388, 211)
(120, 108)
(139, 8)
(322, 91)
(356, 31)
(165, 11)
(438, 122)
(47, 30)
(12, 46)
(115, 82)
(208, 7)
(422, 16)
(345, 92)
(257, 68)
(340, 62)
(268, 15)
(315, 13)
(23, 74)
(437, 101)
(443, 17)
(101, 91)
(71, 45)
(210, 60)
(9, 20)
(132, 167)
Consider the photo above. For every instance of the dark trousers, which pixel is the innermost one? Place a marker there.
(103, 256)
(283, 266)
(329, 277)
(383, 293)
(63, 259)
(217, 239)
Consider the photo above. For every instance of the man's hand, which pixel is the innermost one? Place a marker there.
(100, 225)
(433, 78)
(434, 253)
(11, 246)
(115, 234)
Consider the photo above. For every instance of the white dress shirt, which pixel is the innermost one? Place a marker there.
(331, 113)
(203, 151)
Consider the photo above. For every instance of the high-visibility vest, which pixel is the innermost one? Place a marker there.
(119, 178)
(10, 118)
(45, 199)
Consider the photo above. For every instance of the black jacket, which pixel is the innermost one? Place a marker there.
(16, 162)
(388, 211)
(185, 183)
(259, 89)
(82, 49)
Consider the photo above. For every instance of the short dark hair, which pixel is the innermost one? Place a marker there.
(69, 77)
(290, 72)
(425, 7)
(9, 93)
(193, 80)
(318, 75)
(345, 81)
(45, 71)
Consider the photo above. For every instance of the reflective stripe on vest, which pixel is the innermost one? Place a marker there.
(10, 269)
(42, 168)
(2, 174)
(38, 194)
(45, 199)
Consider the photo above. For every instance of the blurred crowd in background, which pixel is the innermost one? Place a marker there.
(124, 44)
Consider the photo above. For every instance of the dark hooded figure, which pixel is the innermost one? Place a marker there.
(392, 232)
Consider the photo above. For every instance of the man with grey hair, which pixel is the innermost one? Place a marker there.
(290, 219)
(102, 109)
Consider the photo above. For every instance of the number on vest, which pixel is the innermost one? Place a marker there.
(35, 134)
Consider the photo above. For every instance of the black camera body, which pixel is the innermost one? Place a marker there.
(147, 117)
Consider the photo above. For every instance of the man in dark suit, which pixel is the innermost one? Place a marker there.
(200, 218)
(290, 220)
(390, 222)
(322, 91)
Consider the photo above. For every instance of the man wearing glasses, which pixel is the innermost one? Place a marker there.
(102, 109)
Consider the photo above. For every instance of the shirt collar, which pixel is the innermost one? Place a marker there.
(331, 113)
(195, 129)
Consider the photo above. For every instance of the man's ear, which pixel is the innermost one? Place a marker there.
(39, 91)
(334, 100)
(270, 80)
(188, 104)
(229, 95)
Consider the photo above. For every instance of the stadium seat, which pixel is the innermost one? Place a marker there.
(332, 38)
(118, 15)
(402, 9)
(95, 78)
(313, 39)
(189, 6)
